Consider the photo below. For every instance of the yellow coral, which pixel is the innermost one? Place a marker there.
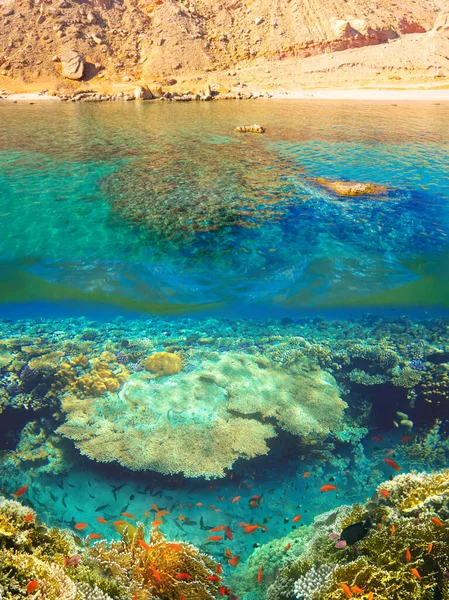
(163, 363)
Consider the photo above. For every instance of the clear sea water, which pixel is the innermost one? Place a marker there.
(135, 228)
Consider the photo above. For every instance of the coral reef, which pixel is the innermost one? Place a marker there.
(403, 556)
(29, 551)
(200, 422)
(163, 363)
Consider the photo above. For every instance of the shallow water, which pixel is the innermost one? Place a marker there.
(139, 228)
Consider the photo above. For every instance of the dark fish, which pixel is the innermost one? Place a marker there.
(148, 488)
(60, 484)
(202, 523)
(69, 484)
(125, 508)
(63, 500)
(140, 492)
(169, 498)
(93, 497)
(159, 493)
(89, 483)
(78, 509)
(116, 488)
(40, 503)
(173, 506)
(178, 525)
(53, 497)
(189, 522)
(102, 507)
(132, 497)
(356, 532)
(115, 496)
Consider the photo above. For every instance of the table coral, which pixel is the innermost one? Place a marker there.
(200, 422)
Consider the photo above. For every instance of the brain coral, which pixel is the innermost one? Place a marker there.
(163, 363)
(200, 422)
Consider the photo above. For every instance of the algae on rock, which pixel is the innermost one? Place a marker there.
(201, 422)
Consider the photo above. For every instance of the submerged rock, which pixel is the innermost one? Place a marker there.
(351, 188)
(251, 129)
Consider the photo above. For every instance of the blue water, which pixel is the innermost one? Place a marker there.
(138, 228)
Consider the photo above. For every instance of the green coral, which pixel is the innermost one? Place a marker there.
(413, 518)
(271, 557)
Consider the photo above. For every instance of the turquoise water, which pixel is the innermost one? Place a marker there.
(196, 320)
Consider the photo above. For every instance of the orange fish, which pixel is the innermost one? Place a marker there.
(253, 503)
(217, 528)
(119, 522)
(29, 518)
(328, 487)
(228, 533)
(222, 591)
(255, 497)
(154, 507)
(181, 518)
(162, 513)
(437, 521)
(185, 576)
(429, 549)
(131, 516)
(236, 499)
(406, 438)
(234, 561)
(20, 492)
(227, 553)
(156, 573)
(101, 520)
(379, 526)
(347, 590)
(384, 493)
(392, 530)
(306, 474)
(156, 523)
(147, 513)
(371, 596)
(211, 487)
(80, 525)
(287, 547)
(357, 590)
(214, 538)
(377, 438)
(94, 536)
(408, 555)
(259, 575)
(392, 463)
(242, 524)
(415, 572)
(199, 504)
(250, 528)
(220, 499)
(296, 519)
(214, 578)
(219, 569)
(176, 547)
(32, 586)
(144, 545)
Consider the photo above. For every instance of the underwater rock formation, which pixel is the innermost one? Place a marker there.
(32, 553)
(201, 422)
(403, 556)
(352, 188)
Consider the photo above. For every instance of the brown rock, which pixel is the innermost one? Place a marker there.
(72, 64)
(251, 129)
(351, 188)
(442, 22)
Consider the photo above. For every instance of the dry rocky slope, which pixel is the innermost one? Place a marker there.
(263, 44)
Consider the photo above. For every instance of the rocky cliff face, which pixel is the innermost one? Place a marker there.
(163, 40)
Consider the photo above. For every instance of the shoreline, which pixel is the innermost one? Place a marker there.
(348, 94)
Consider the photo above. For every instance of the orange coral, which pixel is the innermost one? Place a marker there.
(163, 363)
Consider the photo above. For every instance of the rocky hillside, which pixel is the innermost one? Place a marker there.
(270, 43)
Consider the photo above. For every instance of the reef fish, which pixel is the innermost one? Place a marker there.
(392, 464)
(214, 538)
(355, 532)
(32, 586)
(72, 561)
(296, 518)
(416, 573)
(328, 487)
(259, 575)
(384, 493)
(80, 526)
(347, 590)
(437, 521)
(20, 492)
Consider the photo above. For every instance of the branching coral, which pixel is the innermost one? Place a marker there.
(403, 556)
(130, 567)
(200, 422)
